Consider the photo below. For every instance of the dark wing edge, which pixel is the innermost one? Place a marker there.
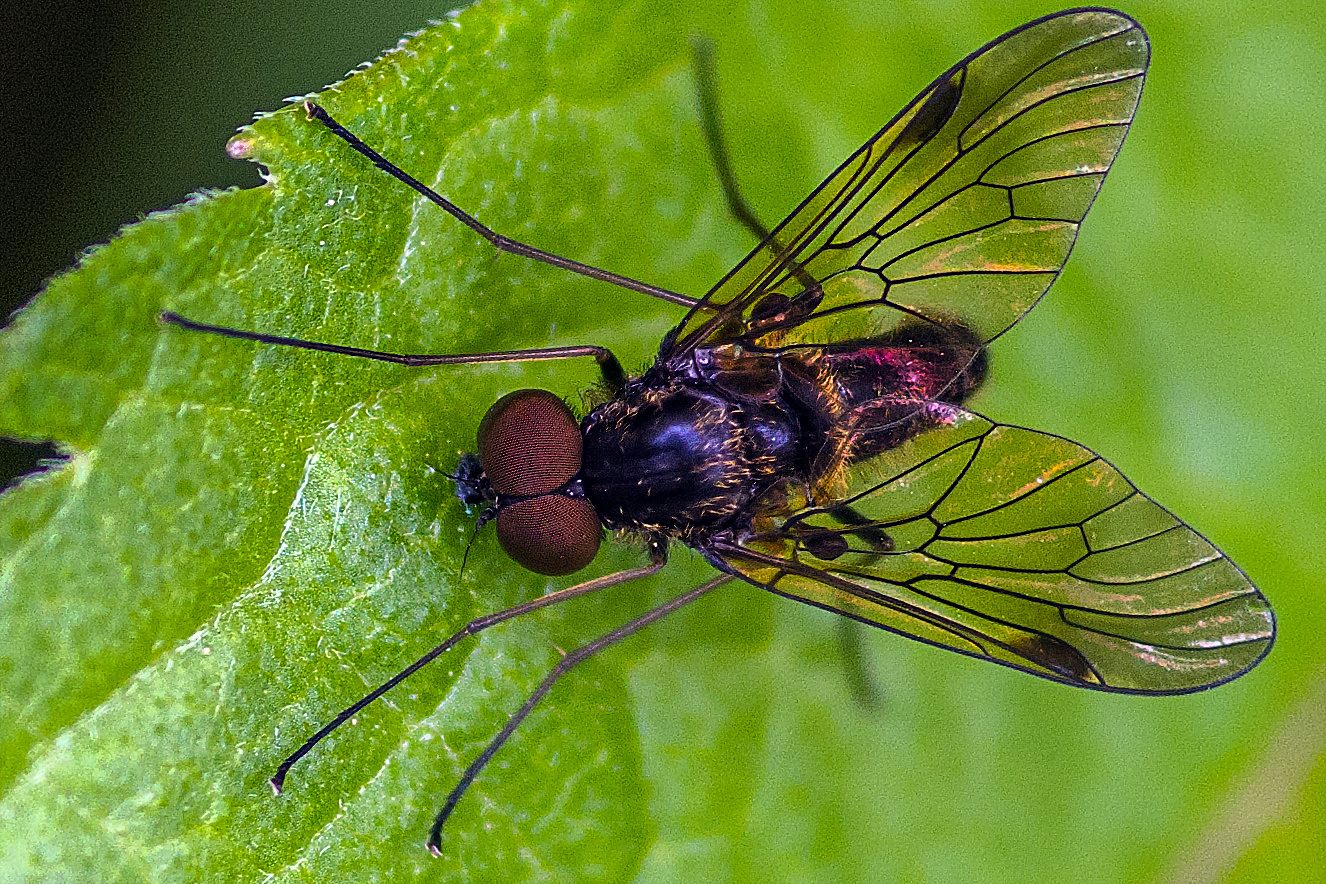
(1025, 549)
(964, 207)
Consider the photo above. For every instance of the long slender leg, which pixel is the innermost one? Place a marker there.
(500, 242)
(861, 678)
(611, 369)
(474, 626)
(608, 364)
(564, 665)
(706, 86)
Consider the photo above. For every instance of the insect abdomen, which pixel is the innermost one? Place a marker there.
(918, 361)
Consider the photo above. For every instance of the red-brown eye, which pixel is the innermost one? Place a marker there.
(551, 535)
(529, 443)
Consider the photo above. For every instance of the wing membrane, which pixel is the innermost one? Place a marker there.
(1025, 549)
(964, 207)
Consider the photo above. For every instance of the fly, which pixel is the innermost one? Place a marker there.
(803, 427)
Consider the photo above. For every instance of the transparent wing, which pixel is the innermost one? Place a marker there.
(963, 208)
(1025, 549)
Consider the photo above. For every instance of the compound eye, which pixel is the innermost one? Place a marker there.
(529, 443)
(551, 535)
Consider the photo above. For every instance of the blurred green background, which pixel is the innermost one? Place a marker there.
(1185, 343)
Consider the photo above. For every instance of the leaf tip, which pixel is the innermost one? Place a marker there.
(241, 146)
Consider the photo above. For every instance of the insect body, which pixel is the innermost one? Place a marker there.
(803, 425)
(701, 446)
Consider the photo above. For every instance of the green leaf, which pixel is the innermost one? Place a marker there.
(246, 539)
